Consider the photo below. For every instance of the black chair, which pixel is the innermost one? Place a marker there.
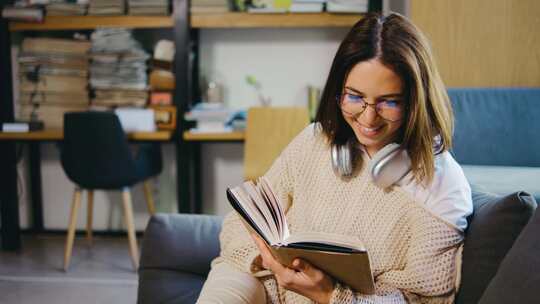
(96, 156)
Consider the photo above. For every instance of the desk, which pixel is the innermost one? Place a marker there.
(9, 202)
(192, 161)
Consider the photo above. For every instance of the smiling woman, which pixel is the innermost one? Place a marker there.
(372, 104)
(386, 119)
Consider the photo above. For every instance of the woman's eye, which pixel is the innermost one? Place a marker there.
(390, 103)
(354, 98)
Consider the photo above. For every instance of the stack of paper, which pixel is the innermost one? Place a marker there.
(148, 7)
(106, 7)
(209, 6)
(118, 69)
(53, 79)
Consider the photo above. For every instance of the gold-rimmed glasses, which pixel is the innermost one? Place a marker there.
(390, 109)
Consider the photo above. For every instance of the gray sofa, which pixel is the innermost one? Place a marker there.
(177, 250)
(495, 141)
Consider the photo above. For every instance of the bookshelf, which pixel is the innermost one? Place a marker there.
(286, 20)
(93, 22)
(198, 21)
(179, 27)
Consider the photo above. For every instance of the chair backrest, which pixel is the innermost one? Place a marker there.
(268, 131)
(95, 153)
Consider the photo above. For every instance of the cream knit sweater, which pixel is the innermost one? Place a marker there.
(414, 253)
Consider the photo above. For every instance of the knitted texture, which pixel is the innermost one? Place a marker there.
(413, 252)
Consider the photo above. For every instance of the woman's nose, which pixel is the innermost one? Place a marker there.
(370, 115)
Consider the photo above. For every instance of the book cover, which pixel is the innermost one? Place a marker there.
(343, 257)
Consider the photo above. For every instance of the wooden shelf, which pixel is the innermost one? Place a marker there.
(93, 22)
(230, 136)
(290, 20)
(54, 135)
(219, 20)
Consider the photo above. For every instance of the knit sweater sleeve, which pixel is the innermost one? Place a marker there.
(430, 274)
(237, 247)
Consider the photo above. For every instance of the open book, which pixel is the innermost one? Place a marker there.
(342, 257)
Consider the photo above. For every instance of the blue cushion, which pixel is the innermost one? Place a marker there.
(497, 126)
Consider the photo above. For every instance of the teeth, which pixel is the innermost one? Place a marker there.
(371, 129)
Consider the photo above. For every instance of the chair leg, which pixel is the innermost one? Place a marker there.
(89, 217)
(128, 218)
(149, 197)
(71, 228)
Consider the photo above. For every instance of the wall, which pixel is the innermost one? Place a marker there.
(285, 61)
(483, 43)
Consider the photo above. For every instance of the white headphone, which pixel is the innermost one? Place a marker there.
(386, 168)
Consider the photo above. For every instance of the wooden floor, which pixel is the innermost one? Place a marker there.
(99, 274)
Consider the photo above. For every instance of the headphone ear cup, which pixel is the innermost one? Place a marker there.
(342, 159)
(389, 165)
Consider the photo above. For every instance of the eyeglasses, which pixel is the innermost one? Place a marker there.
(354, 105)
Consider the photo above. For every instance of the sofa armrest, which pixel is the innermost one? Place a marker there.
(181, 242)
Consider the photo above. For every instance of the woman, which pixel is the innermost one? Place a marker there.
(383, 88)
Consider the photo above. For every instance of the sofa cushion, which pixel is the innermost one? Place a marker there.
(496, 126)
(518, 276)
(168, 286)
(184, 242)
(502, 180)
(493, 227)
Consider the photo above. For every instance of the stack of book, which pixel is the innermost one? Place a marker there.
(65, 8)
(53, 77)
(209, 6)
(118, 69)
(210, 118)
(106, 7)
(148, 7)
(347, 6)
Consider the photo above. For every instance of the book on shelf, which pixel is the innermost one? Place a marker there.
(343, 257)
(347, 6)
(53, 60)
(24, 14)
(306, 7)
(54, 83)
(22, 126)
(53, 98)
(67, 47)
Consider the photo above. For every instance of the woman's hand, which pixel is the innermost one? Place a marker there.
(302, 278)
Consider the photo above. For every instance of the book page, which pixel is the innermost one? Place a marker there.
(263, 208)
(324, 238)
(276, 207)
(250, 209)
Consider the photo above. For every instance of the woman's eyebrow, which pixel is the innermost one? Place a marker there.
(382, 96)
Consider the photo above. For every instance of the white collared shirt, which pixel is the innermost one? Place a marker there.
(448, 195)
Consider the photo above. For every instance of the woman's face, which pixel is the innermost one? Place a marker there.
(373, 83)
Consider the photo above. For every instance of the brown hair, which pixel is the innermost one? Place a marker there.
(399, 45)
